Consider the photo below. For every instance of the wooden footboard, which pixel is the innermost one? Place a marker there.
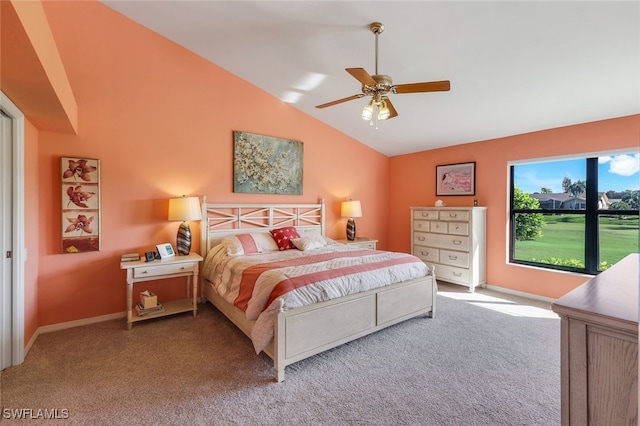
(303, 332)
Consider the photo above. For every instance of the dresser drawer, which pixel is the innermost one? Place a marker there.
(425, 214)
(420, 238)
(452, 242)
(454, 258)
(428, 254)
(458, 228)
(452, 273)
(156, 270)
(421, 225)
(460, 215)
(439, 227)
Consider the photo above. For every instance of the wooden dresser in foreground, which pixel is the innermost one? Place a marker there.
(599, 348)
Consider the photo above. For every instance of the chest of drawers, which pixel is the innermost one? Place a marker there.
(454, 240)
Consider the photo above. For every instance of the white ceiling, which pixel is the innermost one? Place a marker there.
(514, 66)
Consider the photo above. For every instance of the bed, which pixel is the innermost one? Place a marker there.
(298, 302)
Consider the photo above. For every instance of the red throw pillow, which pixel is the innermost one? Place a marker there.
(283, 237)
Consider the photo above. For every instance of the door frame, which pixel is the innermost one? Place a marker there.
(19, 249)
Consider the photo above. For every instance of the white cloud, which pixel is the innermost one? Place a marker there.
(624, 165)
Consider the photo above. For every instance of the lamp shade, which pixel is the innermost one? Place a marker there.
(351, 208)
(184, 208)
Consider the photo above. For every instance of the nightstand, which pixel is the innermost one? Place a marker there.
(365, 243)
(177, 266)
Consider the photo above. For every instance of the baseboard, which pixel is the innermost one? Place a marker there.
(70, 324)
(81, 322)
(519, 293)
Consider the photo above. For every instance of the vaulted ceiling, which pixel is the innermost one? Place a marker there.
(514, 66)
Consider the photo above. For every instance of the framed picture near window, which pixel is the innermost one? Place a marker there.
(456, 179)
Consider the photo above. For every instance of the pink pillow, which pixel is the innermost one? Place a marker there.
(248, 244)
(283, 237)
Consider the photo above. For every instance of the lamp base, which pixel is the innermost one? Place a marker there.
(183, 240)
(351, 229)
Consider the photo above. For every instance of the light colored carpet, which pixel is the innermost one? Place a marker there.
(485, 359)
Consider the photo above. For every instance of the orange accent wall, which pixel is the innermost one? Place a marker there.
(491, 159)
(160, 119)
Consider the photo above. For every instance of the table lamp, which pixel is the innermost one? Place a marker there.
(351, 209)
(184, 209)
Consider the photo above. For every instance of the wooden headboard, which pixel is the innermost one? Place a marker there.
(221, 220)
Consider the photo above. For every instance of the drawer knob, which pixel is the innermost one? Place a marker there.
(144, 272)
(457, 242)
(425, 253)
(420, 238)
(452, 257)
(453, 215)
(457, 274)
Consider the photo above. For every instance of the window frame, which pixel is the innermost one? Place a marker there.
(591, 213)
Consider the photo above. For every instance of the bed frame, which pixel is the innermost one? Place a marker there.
(306, 331)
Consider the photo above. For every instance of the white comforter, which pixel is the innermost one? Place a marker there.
(305, 278)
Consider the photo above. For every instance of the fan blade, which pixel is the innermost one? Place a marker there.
(339, 101)
(431, 86)
(392, 110)
(362, 76)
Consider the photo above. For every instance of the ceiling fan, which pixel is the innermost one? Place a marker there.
(379, 85)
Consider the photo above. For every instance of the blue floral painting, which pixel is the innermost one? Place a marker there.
(266, 165)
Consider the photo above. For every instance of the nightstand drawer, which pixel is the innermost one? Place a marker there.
(157, 270)
(367, 244)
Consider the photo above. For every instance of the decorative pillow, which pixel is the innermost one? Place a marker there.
(283, 237)
(242, 244)
(309, 243)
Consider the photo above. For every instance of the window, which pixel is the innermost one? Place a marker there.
(578, 214)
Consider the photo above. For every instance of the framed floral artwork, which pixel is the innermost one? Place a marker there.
(266, 165)
(456, 179)
(80, 192)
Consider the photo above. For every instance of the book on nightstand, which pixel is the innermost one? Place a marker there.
(142, 311)
(129, 257)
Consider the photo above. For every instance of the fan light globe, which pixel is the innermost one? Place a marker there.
(383, 111)
(367, 111)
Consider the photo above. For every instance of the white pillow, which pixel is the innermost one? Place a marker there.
(250, 243)
(309, 243)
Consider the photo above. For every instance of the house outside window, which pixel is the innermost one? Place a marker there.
(577, 214)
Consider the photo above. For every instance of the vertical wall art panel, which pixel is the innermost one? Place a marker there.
(80, 190)
(266, 165)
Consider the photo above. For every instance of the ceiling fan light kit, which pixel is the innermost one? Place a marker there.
(379, 85)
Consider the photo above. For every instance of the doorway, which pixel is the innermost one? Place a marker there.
(12, 241)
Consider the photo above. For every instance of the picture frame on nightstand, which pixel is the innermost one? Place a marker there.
(165, 250)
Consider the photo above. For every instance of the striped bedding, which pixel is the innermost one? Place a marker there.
(261, 284)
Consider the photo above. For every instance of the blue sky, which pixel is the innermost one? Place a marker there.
(616, 172)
